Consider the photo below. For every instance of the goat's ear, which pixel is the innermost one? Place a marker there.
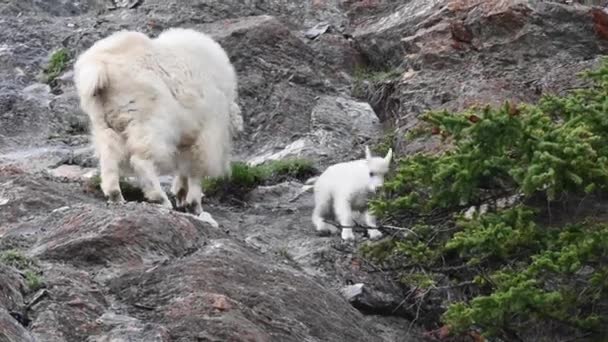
(389, 156)
(368, 154)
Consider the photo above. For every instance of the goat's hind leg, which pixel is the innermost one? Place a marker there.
(322, 208)
(145, 170)
(110, 153)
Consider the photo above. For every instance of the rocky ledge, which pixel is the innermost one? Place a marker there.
(317, 80)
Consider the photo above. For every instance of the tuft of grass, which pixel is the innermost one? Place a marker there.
(33, 280)
(245, 178)
(289, 169)
(56, 65)
(16, 259)
(368, 81)
(284, 253)
(29, 268)
(366, 73)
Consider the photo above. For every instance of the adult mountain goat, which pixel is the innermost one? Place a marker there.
(160, 106)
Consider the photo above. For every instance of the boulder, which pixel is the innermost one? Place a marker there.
(453, 54)
(230, 293)
(11, 330)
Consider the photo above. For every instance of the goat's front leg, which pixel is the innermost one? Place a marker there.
(344, 215)
(193, 199)
(370, 221)
(144, 168)
(179, 188)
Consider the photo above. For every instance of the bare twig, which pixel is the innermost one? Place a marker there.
(404, 300)
(398, 228)
(374, 266)
(419, 302)
(450, 268)
(449, 287)
(359, 227)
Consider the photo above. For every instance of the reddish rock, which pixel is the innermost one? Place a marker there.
(515, 50)
(460, 32)
(600, 21)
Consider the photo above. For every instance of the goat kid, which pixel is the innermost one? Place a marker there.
(344, 188)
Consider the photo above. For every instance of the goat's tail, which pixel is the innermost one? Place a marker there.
(311, 181)
(236, 119)
(307, 186)
(90, 78)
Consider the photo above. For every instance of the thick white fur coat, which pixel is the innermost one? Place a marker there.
(160, 106)
(344, 189)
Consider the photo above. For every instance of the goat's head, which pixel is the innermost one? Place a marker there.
(378, 167)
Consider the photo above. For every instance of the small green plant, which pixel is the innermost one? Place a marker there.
(56, 65)
(368, 82)
(16, 259)
(369, 74)
(27, 266)
(33, 280)
(420, 130)
(245, 178)
(284, 253)
(419, 280)
(288, 169)
(386, 143)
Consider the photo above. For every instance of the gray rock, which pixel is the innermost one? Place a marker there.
(131, 234)
(317, 30)
(351, 292)
(274, 225)
(124, 328)
(235, 295)
(29, 197)
(69, 312)
(337, 126)
(124, 3)
(95, 254)
(11, 330)
(72, 172)
(340, 53)
(106, 267)
(11, 289)
(38, 92)
(273, 196)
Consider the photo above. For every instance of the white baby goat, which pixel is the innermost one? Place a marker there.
(346, 187)
(160, 106)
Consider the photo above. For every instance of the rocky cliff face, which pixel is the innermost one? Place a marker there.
(318, 79)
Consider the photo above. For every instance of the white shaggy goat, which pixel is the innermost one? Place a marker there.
(345, 188)
(160, 106)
